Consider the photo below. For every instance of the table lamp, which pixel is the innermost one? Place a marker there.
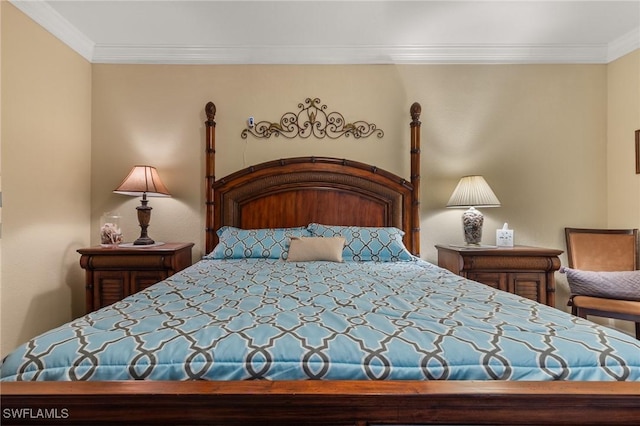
(472, 192)
(145, 181)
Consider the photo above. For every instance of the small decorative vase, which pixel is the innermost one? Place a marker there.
(110, 232)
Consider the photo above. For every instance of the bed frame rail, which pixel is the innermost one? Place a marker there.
(316, 403)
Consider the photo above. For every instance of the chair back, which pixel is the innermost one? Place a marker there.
(602, 249)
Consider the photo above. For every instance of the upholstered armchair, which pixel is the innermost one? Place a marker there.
(603, 275)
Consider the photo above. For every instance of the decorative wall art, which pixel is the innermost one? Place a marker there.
(312, 119)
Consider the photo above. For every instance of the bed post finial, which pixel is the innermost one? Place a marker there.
(210, 110)
(210, 175)
(415, 111)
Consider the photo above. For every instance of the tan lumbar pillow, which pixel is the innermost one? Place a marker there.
(305, 249)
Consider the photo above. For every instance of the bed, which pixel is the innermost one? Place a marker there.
(249, 335)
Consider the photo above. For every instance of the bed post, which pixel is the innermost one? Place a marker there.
(415, 110)
(210, 175)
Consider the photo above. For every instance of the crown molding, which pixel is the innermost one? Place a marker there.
(52, 21)
(442, 54)
(623, 45)
(500, 54)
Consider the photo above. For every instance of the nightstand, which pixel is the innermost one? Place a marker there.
(115, 273)
(522, 270)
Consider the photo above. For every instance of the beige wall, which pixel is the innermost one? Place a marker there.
(623, 184)
(623, 113)
(46, 145)
(538, 133)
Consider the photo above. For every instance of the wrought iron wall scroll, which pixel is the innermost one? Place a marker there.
(312, 120)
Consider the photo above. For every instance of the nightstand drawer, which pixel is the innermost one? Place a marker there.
(532, 286)
(493, 279)
(110, 287)
(525, 271)
(143, 279)
(127, 262)
(115, 273)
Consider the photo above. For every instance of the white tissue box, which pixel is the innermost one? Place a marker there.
(504, 237)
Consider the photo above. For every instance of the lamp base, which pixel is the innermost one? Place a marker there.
(472, 221)
(143, 241)
(144, 216)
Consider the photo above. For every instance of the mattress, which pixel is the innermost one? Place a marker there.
(241, 319)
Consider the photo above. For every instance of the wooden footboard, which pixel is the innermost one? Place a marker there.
(321, 403)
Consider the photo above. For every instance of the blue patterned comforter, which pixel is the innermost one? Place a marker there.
(269, 319)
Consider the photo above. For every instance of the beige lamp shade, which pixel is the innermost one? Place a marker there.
(473, 191)
(143, 180)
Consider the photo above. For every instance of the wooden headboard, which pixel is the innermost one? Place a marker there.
(297, 191)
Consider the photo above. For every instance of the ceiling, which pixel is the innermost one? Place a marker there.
(341, 32)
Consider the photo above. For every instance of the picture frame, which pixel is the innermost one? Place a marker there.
(638, 152)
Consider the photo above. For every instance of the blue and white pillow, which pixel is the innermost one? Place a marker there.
(380, 244)
(269, 243)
